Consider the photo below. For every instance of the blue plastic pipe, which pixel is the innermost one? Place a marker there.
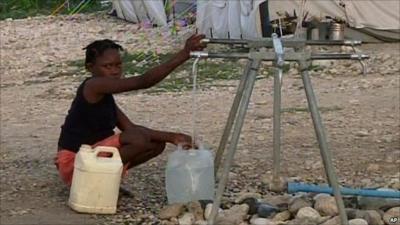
(303, 187)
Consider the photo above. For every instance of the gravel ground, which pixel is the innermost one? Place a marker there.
(361, 116)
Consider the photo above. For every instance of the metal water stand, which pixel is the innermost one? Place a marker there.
(256, 52)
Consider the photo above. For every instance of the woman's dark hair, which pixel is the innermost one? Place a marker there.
(97, 48)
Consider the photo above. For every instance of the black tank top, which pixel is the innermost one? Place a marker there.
(87, 123)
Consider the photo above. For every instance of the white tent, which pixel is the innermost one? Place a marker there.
(241, 18)
(223, 17)
(137, 11)
(153, 11)
(375, 14)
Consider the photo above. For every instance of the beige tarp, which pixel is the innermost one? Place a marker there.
(376, 14)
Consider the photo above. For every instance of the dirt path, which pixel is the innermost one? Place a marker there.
(361, 116)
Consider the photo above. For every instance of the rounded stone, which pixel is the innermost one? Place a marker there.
(265, 210)
(392, 216)
(326, 206)
(358, 222)
(308, 213)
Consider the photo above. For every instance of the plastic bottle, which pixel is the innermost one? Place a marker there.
(96, 180)
(190, 176)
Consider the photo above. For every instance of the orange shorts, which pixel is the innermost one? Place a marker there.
(65, 159)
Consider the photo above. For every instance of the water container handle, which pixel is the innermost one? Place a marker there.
(114, 151)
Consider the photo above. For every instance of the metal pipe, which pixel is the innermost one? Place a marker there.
(231, 118)
(198, 54)
(364, 67)
(277, 129)
(363, 64)
(225, 41)
(255, 64)
(267, 41)
(288, 56)
(229, 55)
(338, 42)
(320, 133)
(278, 48)
(339, 56)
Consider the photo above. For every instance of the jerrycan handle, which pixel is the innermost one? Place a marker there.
(114, 151)
(198, 144)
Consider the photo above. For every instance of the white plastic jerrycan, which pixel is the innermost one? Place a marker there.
(190, 175)
(96, 180)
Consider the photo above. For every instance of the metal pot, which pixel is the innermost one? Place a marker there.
(336, 31)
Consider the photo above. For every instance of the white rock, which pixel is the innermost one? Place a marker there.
(320, 195)
(262, 221)
(358, 222)
(186, 219)
(207, 211)
(308, 213)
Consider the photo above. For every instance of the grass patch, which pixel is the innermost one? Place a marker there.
(137, 63)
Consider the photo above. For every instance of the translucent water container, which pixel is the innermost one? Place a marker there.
(96, 180)
(190, 176)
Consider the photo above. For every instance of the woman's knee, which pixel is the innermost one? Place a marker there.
(134, 136)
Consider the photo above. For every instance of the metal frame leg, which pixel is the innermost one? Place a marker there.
(320, 132)
(255, 64)
(276, 181)
(231, 118)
